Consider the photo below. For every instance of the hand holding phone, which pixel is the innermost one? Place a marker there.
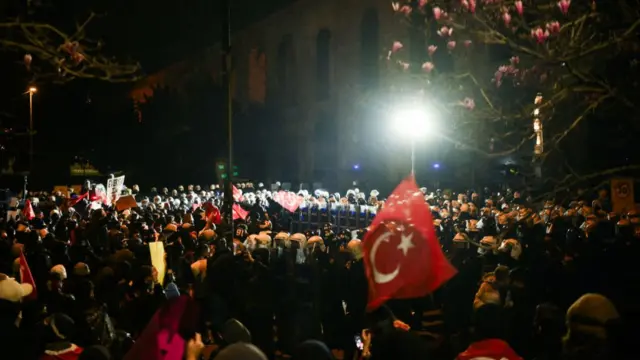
(359, 343)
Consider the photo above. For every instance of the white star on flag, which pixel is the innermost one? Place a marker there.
(406, 243)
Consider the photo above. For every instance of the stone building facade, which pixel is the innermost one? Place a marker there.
(319, 63)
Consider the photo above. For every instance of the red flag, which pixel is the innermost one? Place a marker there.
(402, 254)
(239, 212)
(72, 201)
(212, 213)
(26, 277)
(161, 339)
(27, 210)
(288, 200)
(237, 194)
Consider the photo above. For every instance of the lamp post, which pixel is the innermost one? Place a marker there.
(538, 148)
(32, 90)
(415, 124)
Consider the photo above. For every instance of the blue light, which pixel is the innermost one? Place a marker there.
(436, 166)
(356, 167)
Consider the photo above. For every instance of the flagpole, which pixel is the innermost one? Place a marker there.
(228, 110)
(413, 156)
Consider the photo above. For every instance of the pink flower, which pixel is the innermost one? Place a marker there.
(432, 49)
(428, 66)
(539, 34)
(437, 12)
(519, 7)
(468, 103)
(397, 45)
(445, 31)
(515, 60)
(71, 47)
(451, 45)
(422, 3)
(467, 43)
(472, 6)
(27, 60)
(564, 6)
(77, 58)
(506, 17)
(404, 65)
(553, 27)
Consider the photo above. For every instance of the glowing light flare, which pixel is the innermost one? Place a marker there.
(33, 90)
(436, 166)
(414, 123)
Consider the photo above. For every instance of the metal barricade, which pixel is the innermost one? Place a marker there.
(351, 217)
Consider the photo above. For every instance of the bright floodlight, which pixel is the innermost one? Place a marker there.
(33, 89)
(436, 166)
(415, 123)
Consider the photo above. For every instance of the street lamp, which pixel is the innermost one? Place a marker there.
(32, 90)
(414, 123)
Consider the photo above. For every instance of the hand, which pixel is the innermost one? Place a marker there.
(401, 325)
(194, 348)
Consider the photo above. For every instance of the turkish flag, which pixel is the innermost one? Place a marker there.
(239, 212)
(402, 254)
(27, 210)
(237, 194)
(288, 200)
(26, 277)
(165, 335)
(212, 213)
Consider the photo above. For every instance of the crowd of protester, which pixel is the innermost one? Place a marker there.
(535, 281)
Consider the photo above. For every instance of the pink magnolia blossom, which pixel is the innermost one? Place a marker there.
(27, 60)
(445, 31)
(519, 7)
(506, 17)
(437, 13)
(468, 103)
(553, 27)
(564, 6)
(539, 35)
(71, 47)
(397, 45)
(515, 60)
(469, 5)
(428, 66)
(77, 58)
(431, 49)
(467, 43)
(422, 3)
(451, 45)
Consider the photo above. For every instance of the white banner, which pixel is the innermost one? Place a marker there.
(114, 188)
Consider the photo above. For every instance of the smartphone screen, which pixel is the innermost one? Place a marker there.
(359, 343)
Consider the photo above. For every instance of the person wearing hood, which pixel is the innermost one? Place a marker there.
(59, 329)
(488, 334)
(241, 351)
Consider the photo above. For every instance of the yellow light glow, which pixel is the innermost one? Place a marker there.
(33, 89)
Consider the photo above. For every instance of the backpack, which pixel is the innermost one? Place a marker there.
(100, 327)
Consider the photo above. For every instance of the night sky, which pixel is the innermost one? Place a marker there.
(89, 118)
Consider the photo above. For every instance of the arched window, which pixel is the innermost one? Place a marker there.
(370, 48)
(323, 64)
